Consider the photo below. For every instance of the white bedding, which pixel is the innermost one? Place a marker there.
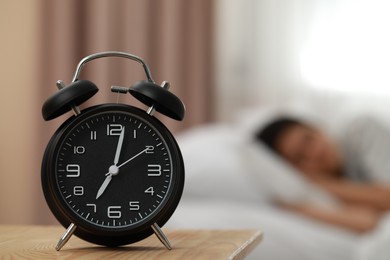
(229, 184)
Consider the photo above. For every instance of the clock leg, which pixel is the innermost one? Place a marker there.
(65, 237)
(160, 234)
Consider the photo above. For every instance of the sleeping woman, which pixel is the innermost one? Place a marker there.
(344, 169)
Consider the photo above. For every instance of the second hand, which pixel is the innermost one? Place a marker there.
(132, 158)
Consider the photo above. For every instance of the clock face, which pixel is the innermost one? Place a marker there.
(113, 167)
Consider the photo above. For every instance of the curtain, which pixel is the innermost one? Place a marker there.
(174, 38)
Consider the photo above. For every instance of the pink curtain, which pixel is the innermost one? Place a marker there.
(174, 37)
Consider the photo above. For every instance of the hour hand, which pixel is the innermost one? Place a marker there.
(104, 185)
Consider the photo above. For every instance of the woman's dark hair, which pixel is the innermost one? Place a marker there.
(270, 133)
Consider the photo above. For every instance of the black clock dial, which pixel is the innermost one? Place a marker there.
(113, 170)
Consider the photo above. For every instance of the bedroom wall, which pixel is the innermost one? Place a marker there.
(317, 56)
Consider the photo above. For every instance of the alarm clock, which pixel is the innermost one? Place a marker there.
(112, 174)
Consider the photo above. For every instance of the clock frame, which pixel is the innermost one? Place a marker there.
(87, 122)
(87, 186)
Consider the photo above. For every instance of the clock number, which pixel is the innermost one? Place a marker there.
(93, 135)
(74, 170)
(78, 190)
(154, 170)
(92, 205)
(78, 149)
(149, 149)
(114, 212)
(114, 129)
(134, 205)
(150, 190)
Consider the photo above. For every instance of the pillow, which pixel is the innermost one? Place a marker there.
(221, 163)
(277, 180)
(213, 164)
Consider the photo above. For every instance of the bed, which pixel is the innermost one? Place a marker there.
(231, 182)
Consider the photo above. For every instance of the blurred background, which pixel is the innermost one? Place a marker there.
(222, 57)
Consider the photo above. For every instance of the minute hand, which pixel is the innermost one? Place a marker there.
(132, 158)
(119, 146)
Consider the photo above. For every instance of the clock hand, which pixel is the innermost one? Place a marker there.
(119, 146)
(114, 170)
(104, 185)
(132, 158)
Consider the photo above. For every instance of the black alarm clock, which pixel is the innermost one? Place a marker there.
(112, 174)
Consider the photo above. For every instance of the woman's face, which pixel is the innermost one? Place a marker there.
(309, 150)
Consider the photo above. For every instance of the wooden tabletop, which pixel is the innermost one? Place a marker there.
(38, 242)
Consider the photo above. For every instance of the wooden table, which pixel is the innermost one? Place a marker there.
(38, 242)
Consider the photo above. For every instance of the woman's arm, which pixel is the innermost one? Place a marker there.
(368, 195)
(354, 218)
